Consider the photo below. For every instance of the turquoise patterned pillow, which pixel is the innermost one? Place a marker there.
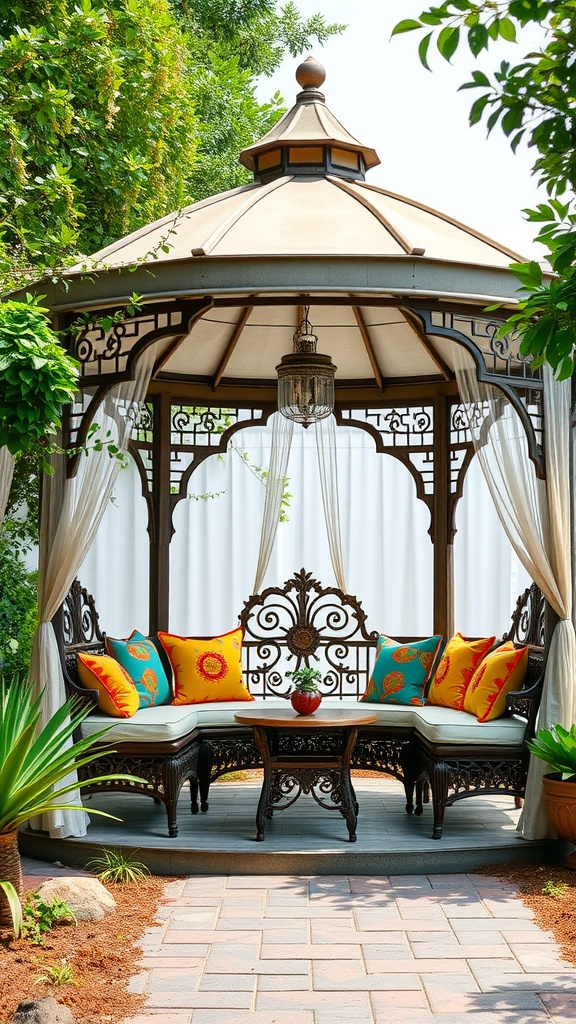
(139, 657)
(402, 671)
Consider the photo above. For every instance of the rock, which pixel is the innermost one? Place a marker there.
(86, 896)
(42, 1011)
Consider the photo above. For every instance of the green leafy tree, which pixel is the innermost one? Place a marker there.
(231, 43)
(533, 102)
(96, 117)
(116, 112)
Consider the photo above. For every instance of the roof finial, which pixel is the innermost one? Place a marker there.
(310, 75)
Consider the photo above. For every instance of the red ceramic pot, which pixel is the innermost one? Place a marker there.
(305, 702)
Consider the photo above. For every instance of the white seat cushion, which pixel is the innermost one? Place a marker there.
(168, 722)
(164, 723)
(444, 725)
(222, 714)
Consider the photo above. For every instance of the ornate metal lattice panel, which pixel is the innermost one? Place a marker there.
(76, 413)
(80, 620)
(528, 618)
(461, 447)
(142, 445)
(501, 356)
(103, 349)
(502, 364)
(304, 623)
(232, 755)
(381, 754)
(465, 777)
(161, 777)
(453, 779)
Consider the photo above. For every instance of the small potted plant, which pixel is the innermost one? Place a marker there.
(305, 697)
(557, 746)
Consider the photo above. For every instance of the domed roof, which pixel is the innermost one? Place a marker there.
(309, 199)
(308, 231)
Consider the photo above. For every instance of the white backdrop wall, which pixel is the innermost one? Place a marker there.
(387, 549)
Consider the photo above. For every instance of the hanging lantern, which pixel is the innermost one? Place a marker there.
(305, 378)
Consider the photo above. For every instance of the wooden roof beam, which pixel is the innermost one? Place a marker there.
(368, 346)
(414, 323)
(234, 339)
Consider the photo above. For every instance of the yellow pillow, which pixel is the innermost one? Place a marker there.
(117, 694)
(459, 661)
(206, 670)
(501, 672)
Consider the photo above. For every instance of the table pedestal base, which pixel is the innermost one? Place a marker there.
(325, 776)
(331, 789)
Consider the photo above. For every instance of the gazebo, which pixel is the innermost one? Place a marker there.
(396, 295)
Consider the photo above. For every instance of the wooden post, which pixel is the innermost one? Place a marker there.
(441, 536)
(159, 602)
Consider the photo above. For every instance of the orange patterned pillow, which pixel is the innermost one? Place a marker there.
(456, 667)
(501, 672)
(206, 670)
(117, 694)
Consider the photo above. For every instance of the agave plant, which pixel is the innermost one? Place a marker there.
(14, 906)
(556, 746)
(32, 763)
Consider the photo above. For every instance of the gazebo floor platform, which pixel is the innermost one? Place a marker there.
(302, 840)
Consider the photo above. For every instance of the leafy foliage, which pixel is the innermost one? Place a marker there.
(18, 610)
(532, 102)
(34, 762)
(14, 906)
(56, 974)
(555, 889)
(305, 679)
(38, 377)
(114, 866)
(20, 525)
(39, 916)
(96, 118)
(116, 112)
(556, 746)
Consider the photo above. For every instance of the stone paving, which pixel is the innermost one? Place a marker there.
(440, 949)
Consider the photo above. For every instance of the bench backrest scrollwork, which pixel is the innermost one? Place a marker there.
(528, 629)
(80, 626)
(306, 624)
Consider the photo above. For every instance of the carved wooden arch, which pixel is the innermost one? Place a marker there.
(201, 453)
(402, 455)
(104, 383)
(509, 385)
(199, 456)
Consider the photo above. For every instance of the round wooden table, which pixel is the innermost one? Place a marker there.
(306, 754)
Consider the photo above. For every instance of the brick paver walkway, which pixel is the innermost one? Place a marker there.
(441, 949)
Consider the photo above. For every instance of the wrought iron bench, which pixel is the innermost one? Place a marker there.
(304, 623)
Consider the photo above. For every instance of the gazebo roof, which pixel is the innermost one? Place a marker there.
(309, 199)
(309, 231)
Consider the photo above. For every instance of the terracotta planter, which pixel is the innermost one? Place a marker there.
(560, 803)
(10, 871)
(305, 703)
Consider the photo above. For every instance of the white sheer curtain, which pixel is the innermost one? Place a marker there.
(6, 474)
(535, 515)
(328, 466)
(71, 513)
(282, 432)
